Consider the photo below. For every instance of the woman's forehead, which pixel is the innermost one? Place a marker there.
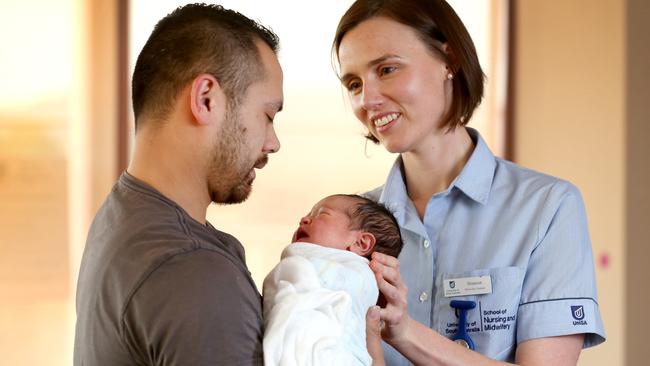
(376, 38)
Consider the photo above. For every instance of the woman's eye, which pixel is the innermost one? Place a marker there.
(353, 86)
(387, 70)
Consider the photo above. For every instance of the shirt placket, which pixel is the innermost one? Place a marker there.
(434, 218)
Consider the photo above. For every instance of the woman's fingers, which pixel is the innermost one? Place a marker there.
(386, 260)
(394, 293)
(394, 312)
(373, 336)
(388, 268)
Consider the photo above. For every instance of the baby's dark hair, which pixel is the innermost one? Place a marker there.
(377, 219)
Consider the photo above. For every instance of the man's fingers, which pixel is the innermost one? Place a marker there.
(373, 336)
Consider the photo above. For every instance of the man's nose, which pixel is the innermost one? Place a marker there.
(272, 143)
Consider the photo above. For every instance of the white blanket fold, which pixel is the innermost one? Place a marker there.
(315, 303)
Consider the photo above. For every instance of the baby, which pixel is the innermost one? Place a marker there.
(316, 298)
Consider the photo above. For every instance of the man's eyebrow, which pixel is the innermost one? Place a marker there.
(370, 64)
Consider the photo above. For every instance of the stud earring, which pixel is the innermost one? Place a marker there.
(450, 76)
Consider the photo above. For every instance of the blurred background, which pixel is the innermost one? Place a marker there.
(568, 93)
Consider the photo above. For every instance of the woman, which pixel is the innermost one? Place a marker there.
(510, 243)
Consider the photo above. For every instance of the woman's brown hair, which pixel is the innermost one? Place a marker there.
(436, 24)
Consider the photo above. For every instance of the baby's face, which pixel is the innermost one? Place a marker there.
(328, 224)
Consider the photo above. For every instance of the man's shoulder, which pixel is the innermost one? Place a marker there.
(130, 242)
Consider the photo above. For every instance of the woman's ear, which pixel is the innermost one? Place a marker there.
(206, 98)
(364, 244)
(451, 58)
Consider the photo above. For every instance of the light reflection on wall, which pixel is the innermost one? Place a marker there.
(36, 77)
(322, 148)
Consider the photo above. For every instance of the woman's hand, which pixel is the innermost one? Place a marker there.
(373, 336)
(394, 311)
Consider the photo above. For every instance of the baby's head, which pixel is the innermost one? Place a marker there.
(351, 222)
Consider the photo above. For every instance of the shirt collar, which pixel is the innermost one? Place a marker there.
(475, 180)
(394, 194)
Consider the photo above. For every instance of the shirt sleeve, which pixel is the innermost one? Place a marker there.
(197, 308)
(559, 294)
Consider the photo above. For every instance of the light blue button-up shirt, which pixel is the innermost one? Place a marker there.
(525, 230)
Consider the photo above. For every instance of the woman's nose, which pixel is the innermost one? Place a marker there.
(371, 97)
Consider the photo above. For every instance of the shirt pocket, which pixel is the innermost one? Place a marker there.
(492, 324)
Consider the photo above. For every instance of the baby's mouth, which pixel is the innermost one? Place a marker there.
(300, 234)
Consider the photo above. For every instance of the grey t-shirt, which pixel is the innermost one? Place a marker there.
(157, 287)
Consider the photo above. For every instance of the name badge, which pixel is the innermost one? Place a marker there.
(467, 286)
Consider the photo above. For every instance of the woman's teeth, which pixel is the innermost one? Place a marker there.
(386, 119)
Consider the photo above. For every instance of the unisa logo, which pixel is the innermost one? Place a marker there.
(578, 313)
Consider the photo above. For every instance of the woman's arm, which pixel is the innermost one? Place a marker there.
(424, 346)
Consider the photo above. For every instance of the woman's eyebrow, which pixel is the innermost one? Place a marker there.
(369, 64)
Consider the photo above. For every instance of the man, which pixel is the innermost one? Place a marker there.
(158, 284)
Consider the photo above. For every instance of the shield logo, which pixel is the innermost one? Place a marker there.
(452, 284)
(578, 312)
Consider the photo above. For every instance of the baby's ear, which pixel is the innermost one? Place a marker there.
(364, 244)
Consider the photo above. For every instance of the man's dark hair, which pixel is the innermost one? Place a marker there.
(375, 218)
(196, 39)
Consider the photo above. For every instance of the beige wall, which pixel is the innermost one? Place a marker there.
(57, 161)
(637, 195)
(582, 92)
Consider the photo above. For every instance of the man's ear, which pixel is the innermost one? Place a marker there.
(364, 244)
(206, 98)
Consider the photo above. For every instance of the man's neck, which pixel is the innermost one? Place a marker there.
(172, 172)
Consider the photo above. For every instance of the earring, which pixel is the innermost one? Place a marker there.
(450, 76)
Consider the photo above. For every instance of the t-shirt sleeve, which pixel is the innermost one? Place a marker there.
(196, 308)
(559, 290)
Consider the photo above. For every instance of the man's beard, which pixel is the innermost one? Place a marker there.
(229, 179)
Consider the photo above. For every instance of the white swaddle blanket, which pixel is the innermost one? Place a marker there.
(315, 303)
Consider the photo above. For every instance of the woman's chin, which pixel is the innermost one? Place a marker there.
(392, 147)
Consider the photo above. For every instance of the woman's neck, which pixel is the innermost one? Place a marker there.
(432, 168)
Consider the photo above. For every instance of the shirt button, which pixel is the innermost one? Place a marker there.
(423, 297)
(426, 243)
